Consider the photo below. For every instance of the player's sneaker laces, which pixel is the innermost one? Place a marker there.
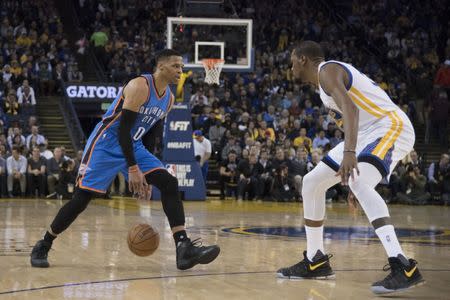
(318, 268)
(39, 254)
(404, 274)
(191, 253)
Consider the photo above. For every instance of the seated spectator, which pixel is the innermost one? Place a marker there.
(7, 75)
(36, 173)
(46, 83)
(18, 142)
(265, 132)
(3, 169)
(78, 159)
(66, 182)
(250, 171)
(282, 187)
(27, 102)
(336, 139)
(73, 74)
(294, 132)
(279, 159)
(54, 171)
(228, 175)
(320, 141)
(16, 132)
(63, 153)
(315, 160)
(302, 139)
(413, 159)
(437, 173)
(216, 133)
(413, 187)
(32, 121)
(17, 169)
(266, 176)
(198, 99)
(11, 106)
(25, 94)
(44, 151)
(3, 151)
(297, 170)
(231, 146)
(252, 131)
(35, 137)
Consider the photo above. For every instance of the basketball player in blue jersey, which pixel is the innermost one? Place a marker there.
(122, 142)
(377, 135)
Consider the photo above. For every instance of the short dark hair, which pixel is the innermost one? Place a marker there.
(310, 49)
(16, 148)
(165, 53)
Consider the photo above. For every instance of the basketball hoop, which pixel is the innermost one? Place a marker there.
(213, 67)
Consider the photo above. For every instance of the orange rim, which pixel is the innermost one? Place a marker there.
(212, 62)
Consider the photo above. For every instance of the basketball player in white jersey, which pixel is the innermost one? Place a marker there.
(377, 135)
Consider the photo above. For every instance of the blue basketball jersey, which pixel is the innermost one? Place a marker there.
(154, 109)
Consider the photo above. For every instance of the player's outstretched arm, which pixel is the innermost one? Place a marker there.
(135, 93)
(332, 79)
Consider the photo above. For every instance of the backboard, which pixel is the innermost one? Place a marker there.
(200, 38)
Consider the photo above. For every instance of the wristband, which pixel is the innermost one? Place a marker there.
(353, 151)
(133, 169)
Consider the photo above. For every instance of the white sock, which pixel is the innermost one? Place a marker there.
(388, 238)
(314, 241)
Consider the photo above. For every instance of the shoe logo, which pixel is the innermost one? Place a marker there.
(410, 273)
(312, 268)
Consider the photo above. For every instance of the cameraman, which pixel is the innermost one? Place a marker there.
(283, 187)
(413, 187)
(66, 182)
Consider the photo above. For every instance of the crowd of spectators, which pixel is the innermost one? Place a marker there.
(265, 130)
(34, 56)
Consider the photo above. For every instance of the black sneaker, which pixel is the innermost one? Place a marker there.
(39, 254)
(404, 275)
(190, 253)
(318, 268)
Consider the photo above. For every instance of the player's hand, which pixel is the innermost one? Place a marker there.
(146, 194)
(136, 180)
(348, 165)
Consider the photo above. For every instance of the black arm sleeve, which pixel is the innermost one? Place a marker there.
(126, 123)
(153, 138)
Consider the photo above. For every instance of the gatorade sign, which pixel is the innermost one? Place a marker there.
(92, 92)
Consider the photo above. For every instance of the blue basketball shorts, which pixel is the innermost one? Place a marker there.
(103, 160)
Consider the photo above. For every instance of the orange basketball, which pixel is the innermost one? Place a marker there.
(143, 240)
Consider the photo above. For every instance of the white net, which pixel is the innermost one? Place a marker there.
(213, 67)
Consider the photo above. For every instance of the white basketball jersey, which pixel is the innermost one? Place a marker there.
(372, 101)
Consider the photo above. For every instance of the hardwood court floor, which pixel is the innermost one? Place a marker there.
(91, 259)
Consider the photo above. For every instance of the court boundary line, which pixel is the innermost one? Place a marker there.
(71, 284)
